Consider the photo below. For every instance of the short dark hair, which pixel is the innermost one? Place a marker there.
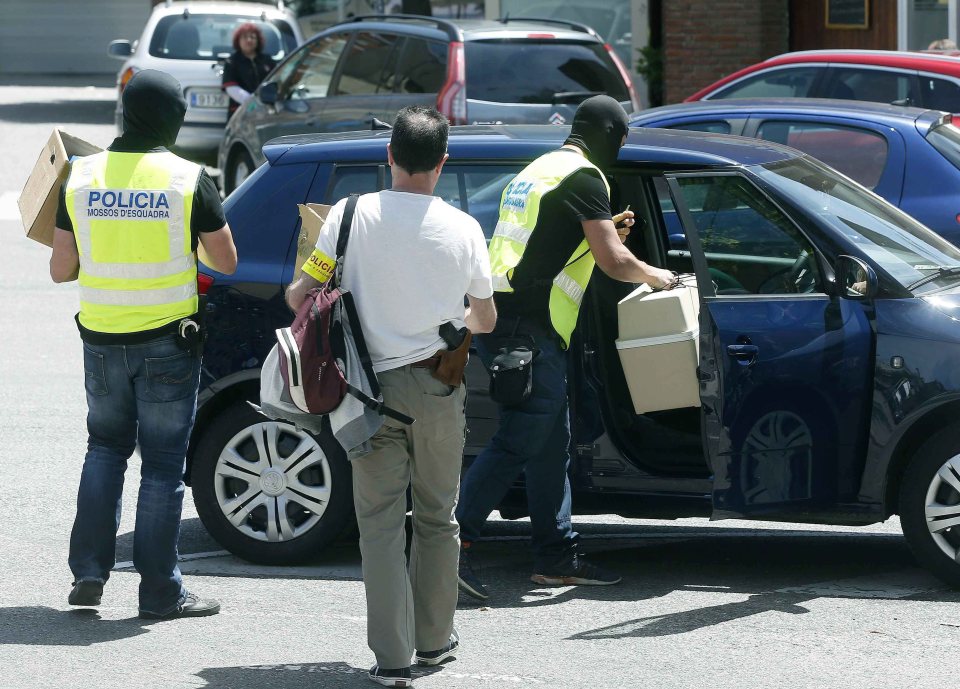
(419, 138)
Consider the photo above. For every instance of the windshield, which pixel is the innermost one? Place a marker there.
(901, 246)
(210, 36)
(946, 139)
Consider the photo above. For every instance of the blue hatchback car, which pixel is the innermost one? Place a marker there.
(829, 347)
(909, 156)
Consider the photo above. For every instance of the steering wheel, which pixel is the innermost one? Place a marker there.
(801, 274)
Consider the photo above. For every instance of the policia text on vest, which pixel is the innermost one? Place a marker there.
(128, 205)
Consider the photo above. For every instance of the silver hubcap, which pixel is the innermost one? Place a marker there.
(942, 508)
(240, 172)
(273, 482)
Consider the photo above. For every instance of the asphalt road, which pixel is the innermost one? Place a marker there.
(714, 605)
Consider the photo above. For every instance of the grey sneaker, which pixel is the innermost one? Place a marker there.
(575, 571)
(86, 593)
(467, 578)
(193, 606)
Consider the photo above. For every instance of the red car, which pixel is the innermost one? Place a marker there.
(929, 80)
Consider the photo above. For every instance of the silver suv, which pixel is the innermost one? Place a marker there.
(189, 40)
(508, 71)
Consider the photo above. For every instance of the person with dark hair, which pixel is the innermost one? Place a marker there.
(246, 67)
(555, 224)
(409, 261)
(129, 224)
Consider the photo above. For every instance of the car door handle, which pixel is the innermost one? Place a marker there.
(746, 354)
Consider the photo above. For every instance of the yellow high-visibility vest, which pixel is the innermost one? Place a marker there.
(131, 221)
(519, 209)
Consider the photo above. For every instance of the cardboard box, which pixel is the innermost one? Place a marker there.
(312, 217)
(38, 200)
(659, 346)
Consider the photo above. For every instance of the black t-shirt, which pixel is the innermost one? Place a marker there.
(558, 232)
(206, 216)
(240, 70)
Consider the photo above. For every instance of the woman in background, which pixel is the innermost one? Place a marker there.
(247, 67)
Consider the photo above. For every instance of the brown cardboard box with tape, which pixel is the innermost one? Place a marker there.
(38, 200)
(312, 217)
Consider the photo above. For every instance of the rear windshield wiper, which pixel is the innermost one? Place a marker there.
(573, 96)
(942, 272)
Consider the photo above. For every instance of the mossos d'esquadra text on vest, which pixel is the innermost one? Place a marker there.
(516, 195)
(128, 204)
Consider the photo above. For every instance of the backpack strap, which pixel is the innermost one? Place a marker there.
(366, 362)
(346, 222)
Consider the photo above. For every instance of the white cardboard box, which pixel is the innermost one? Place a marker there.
(659, 346)
(38, 200)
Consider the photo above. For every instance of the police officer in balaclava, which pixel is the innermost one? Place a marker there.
(555, 225)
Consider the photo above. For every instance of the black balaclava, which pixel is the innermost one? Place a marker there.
(598, 128)
(153, 109)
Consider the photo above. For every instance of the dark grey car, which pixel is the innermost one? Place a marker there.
(533, 71)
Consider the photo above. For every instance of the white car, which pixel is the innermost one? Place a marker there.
(190, 40)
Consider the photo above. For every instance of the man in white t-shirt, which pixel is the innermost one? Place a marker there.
(410, 260)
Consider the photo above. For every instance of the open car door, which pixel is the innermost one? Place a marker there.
(784, 367)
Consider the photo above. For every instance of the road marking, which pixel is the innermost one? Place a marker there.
(9, 210)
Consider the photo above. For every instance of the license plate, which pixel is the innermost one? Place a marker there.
(208, 99)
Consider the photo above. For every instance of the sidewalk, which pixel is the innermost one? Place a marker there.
(71, 80)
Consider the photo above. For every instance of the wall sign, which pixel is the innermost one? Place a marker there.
(847, 14)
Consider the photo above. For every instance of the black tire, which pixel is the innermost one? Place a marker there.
(239, 166)
(273, 493)
(921, 486)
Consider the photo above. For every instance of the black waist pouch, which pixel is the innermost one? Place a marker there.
(511, 375)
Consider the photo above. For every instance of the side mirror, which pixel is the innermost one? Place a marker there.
(856, 279)
(120, 49)
(269, 92)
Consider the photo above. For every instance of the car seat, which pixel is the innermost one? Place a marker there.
(183, 41)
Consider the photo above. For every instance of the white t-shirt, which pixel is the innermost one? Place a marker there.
(410, 260)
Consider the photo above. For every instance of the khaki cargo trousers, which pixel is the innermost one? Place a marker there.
(411, 606)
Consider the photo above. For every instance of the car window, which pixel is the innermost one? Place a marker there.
(851, 83)
(897, 243)
(355, 179)
(939, 94)
(476, 189)
(708, 127)
(751, 247)
(310, 76)
(421, 67)
(858, 153)
(365, 63)
(552, 72)
(788, 82)
(209, 36)
(945, 138)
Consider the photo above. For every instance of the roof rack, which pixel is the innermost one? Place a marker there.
(452, 30)
(576, 26)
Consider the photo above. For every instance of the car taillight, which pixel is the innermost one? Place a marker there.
(204, 283)
(126, 77)
(452, 99)
(625, 75)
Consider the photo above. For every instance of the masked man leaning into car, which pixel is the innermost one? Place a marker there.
(555, 224)
(409, 262)
(128, 227)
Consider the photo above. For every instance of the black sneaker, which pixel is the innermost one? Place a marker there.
(437, 657)
(193, 606)
(400, 677)
(576, 572)
(86, 593)
(468, 580)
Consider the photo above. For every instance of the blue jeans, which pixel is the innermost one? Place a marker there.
(142, 394)
(533, 438)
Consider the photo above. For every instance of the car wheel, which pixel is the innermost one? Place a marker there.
(269, 492)
(930, 505)
(238, 169)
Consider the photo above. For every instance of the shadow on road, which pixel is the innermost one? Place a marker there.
(42, 626)
(59, 112)
(302, 676)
